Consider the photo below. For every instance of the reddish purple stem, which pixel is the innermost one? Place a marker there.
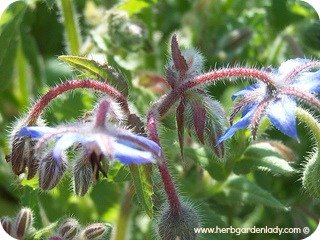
(71, 85)
(102, 111)
(169, 186)
(213, 76)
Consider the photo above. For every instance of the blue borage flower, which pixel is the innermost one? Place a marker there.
(94, 142)
(292, 81)
(118, 144)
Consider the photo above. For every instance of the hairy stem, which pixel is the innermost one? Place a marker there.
(39, 106)
(102, 111)
(72, 31)
(209, 77)
(301, 68)
(169, 186)
(310, 178)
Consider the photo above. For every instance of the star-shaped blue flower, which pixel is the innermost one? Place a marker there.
(293, 81)
(114, 143)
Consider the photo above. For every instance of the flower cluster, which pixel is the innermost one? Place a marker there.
(21, 228)
(95, 141)
(196, 111)
(70, 229)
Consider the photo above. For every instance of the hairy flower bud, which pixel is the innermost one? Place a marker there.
(50, 171)
(22, 154)
(184, 65)
(205, 118)
(82, 174)
(69, 229)
(7, 225)
(179, 225)
(124, 33)
(23, 222)
(95, 231)
(17, 155)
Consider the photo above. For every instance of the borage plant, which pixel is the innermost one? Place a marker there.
(130, 144)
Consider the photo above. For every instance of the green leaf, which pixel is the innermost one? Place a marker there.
(118, 172)
(238, 189)
(33, 183)
(71, 26)
(95, 70)
(32, 54)
(208, 162)
(266, 157)
(143, 186)
(133, 6)
(9, 36)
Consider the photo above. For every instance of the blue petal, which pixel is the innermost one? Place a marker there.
(242, 123)
(282, 114)
(309, 81)
(245, 90)
(128, 155)
(291, 64)
(140, 141)
(34, 132)
(66, 141)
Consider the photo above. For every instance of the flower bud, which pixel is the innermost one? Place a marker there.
(17, 155)
(179, 225)
(32, 162)
(184, 65)
(51, 171)
(95, 231)
(123, 33)
(205, 118)
(23, 222)
(82, 174)
(7, 225)
(69, 229)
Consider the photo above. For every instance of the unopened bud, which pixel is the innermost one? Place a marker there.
(172, 225)
(69, 229)
(124, 33)
(23, 222)
(94, 231)
(17, 155)
(82, 175)
(176, 71)
(51, 171)
(32, 162)
(7, 225)
(205, 117)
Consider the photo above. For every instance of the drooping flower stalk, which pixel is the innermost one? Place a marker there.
(169, 186)
(310, 178)
(37, 109)
(211, 77)
(302, 68)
